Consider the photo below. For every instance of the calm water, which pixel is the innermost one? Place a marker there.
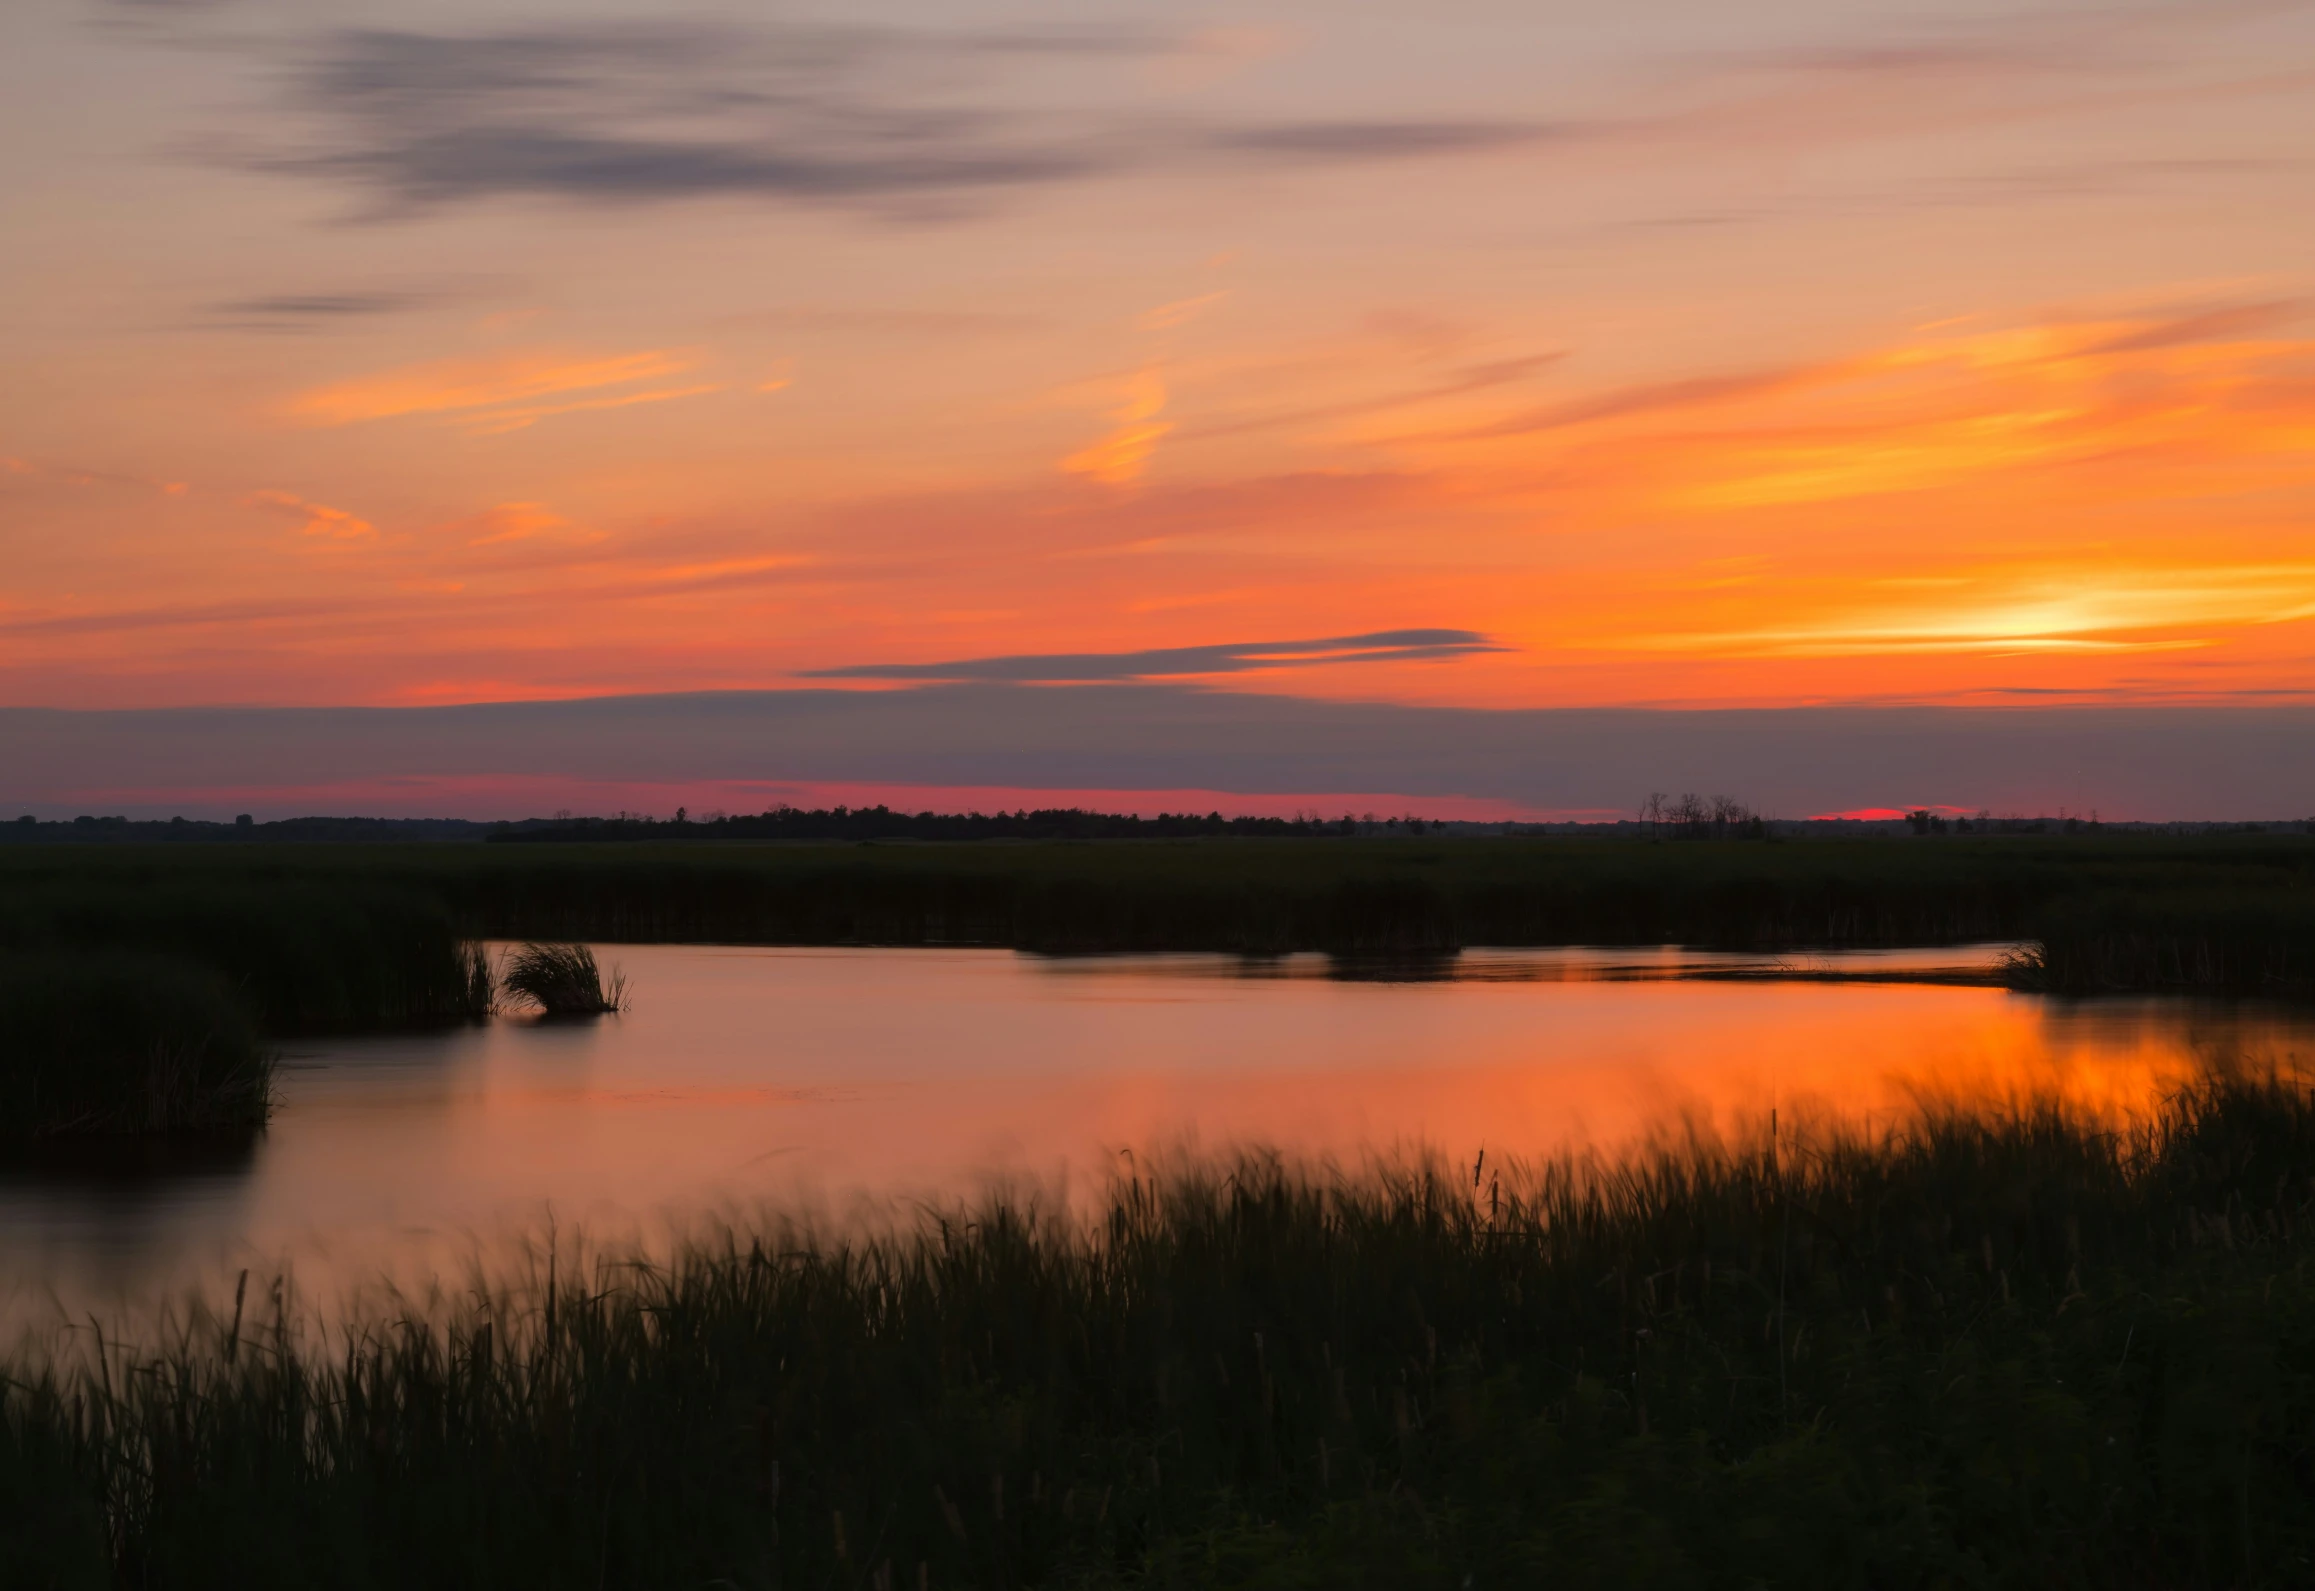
(829, 1075)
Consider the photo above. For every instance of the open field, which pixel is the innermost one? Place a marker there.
(2016, 1349)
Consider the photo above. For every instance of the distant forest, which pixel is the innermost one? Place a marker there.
(1660, 817)
(883, 823)
(782, 823)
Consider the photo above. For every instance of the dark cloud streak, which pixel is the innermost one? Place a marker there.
(299, 312)
(1382, 140)
(2213, 325)
(1172, 662)
(2199, 761)
(622, 114)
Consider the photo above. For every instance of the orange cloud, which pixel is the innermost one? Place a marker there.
(492, 381)
(1119, 458)
(721, 569)
(2134, 396)
(499, 421)
(1181, 312)
(77, 477)
(2106, 609)
(512, 522)
(2114, 393)
(320, 520)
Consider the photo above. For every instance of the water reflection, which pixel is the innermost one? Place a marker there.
(742, 1074)
(1979, 964)
(113, 1214)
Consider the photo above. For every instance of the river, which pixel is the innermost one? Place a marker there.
(836, 1080)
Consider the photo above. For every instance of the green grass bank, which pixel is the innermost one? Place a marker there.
(2018, 1350)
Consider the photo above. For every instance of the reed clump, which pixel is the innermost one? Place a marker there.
(561, 980)
(2009, 1349)
(124, 1044)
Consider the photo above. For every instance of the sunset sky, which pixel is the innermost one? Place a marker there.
(1463, 353)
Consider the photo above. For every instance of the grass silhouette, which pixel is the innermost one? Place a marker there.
(2018, 1348)
(123, 1043)
(561, 980)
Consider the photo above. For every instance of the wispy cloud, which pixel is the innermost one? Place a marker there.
(1463, 382)
(852, 319)
(494, 392)
(499, 421)
(2209, 382)
(513, 522)
(1180, 312)
(319, 520)
(607, 113)
(2081, 611)
(180, 616)
(1173, 662)
(67, 475)
(1120, 457)
(293, 312)
(938, 120)
(1653, 398)
(2225, 323)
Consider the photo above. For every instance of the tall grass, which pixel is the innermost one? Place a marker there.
(1248, 896)
(2184, 942)
(348, 936)
(561, 980)
(124, 1044)
(300, 955)
(2020, 1349)
(131, 998)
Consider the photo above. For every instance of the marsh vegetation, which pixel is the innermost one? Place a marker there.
(300, 952)
(2188, 941)
(125, 1043)
(2007, 1348)
(1406, 894)
(560, 980)
(142, 1000)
